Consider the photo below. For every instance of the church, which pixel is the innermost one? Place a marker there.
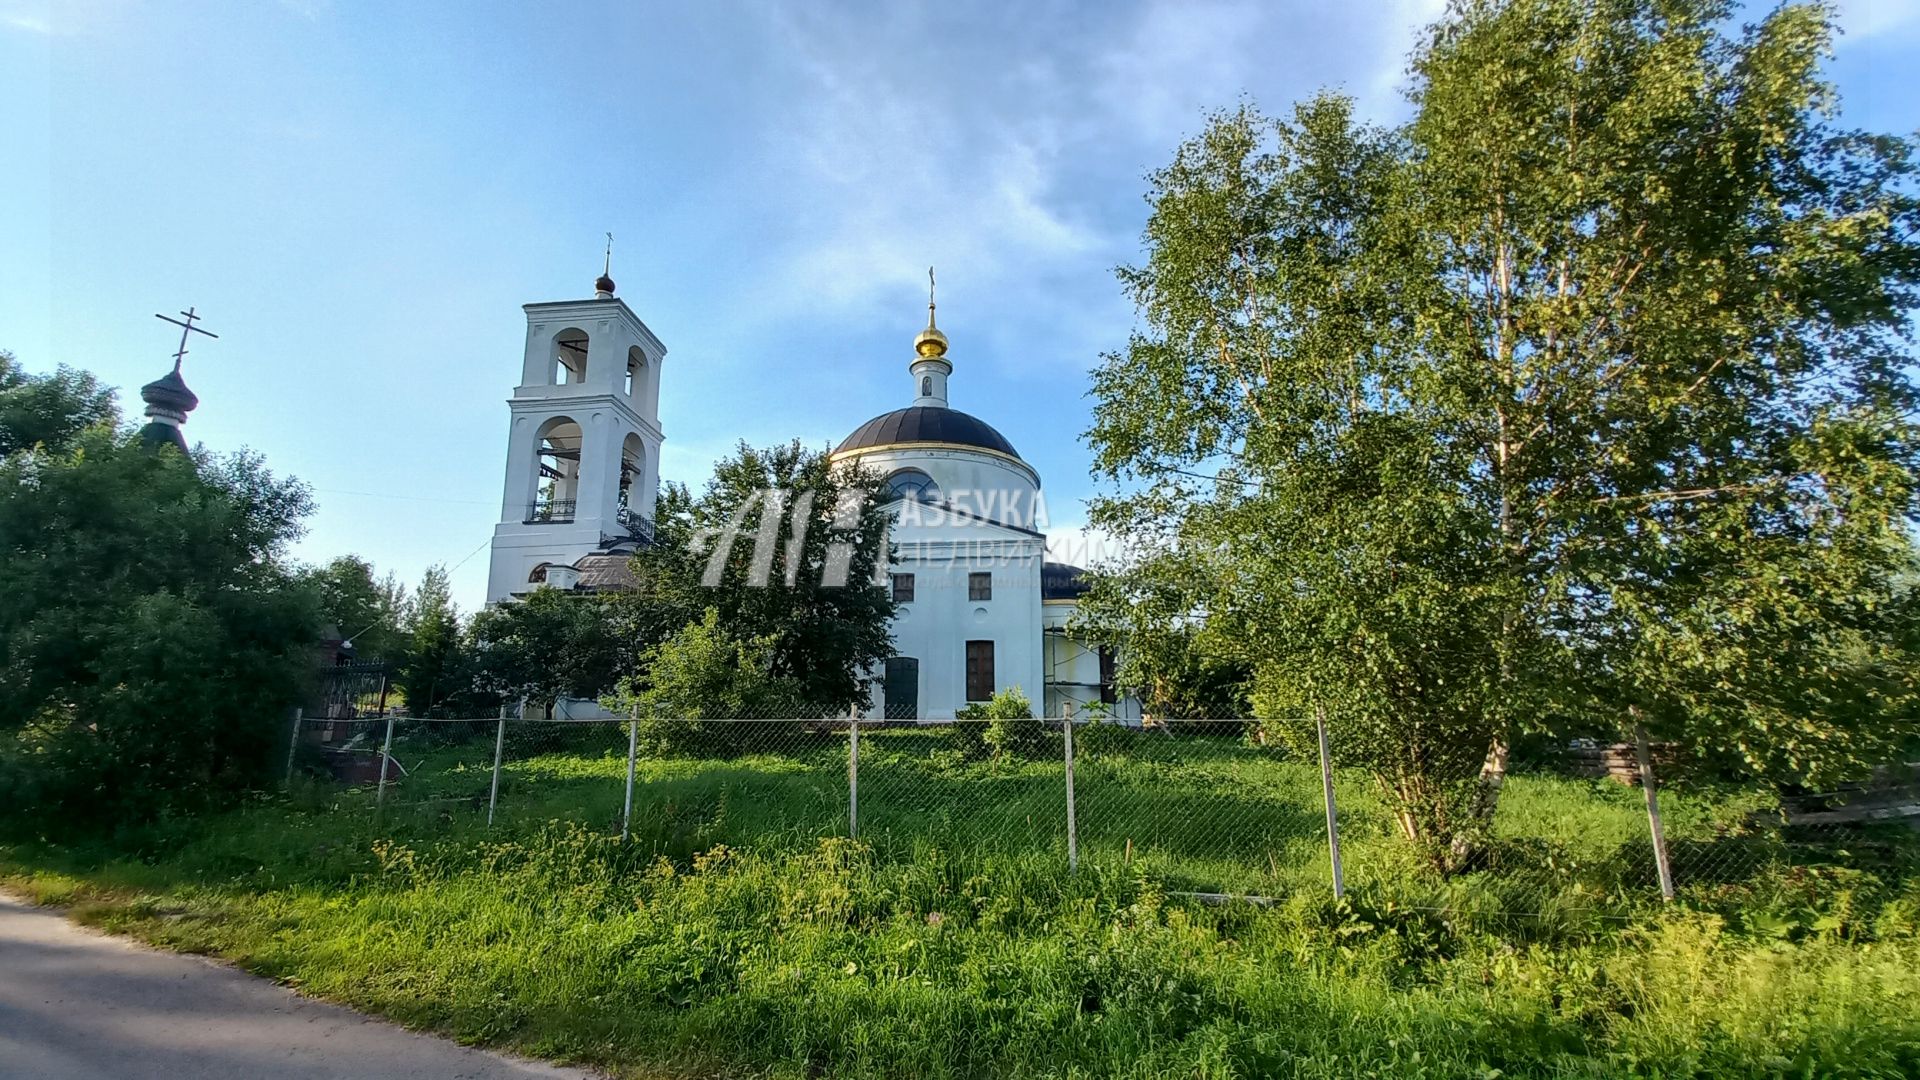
(979, 609)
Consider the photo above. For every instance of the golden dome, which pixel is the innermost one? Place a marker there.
(931, 341)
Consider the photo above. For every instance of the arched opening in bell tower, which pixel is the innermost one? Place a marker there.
(633, 461)
(569, 357)
(636, 370)
(557, 486)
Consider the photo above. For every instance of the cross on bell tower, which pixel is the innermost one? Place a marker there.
(186, 327)
(167, 397)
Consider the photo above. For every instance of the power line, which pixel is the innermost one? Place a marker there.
(402, 498)
(349, 638)
(470, 555)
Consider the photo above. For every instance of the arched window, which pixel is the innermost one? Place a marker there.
(569, 357)
(633, 456)
(912, 484)
(636, 369)
(557, 484)
(926, 386)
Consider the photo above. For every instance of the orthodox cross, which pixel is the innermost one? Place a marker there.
(186, 328)
(929, 286)
(607, 270)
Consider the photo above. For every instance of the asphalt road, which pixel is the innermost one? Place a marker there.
(78, 1005)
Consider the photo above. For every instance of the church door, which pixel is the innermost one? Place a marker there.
(902, 688)
(979, 670)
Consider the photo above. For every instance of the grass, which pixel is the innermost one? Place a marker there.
(740, 933)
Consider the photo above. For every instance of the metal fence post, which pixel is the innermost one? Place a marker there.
(386, 755)
(853, 773)
(633, 751)
(293, 743)
(499, 746)
(1333, 818)
(1647, 787)
(1073, 833)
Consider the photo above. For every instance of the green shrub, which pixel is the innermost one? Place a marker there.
(1009, 729)
(153, 669)
(706, 692)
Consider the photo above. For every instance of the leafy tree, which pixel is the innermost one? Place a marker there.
(1579, 394)
(49, 409)
(548, 645)
(356, 603)
(153, 637)
(824, 635)
(435, 672)
(1183, 670)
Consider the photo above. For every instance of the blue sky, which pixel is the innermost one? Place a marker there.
(359, 197)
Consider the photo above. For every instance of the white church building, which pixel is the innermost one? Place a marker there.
(978, 607)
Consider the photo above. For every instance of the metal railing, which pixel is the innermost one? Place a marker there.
(640, 528)
(550, 512)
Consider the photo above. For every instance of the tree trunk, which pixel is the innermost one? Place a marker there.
(1468, 837)
(1493, 776)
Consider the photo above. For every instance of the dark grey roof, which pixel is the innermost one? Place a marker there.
(922, 423)
(1060, 581)
(606, 572)
(169, 391)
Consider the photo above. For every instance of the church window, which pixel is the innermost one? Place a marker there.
(926, 386)
(1107, 691)
(912, 484)
(979, 670)
(980, 586)
(903, 588)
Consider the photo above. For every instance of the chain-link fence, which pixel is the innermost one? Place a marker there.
(1209, 808)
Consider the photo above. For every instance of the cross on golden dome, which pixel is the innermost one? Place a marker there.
(931, 341)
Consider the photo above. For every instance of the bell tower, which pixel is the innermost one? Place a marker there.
(583, 442)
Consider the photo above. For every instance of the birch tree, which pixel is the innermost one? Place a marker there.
(1580, 394)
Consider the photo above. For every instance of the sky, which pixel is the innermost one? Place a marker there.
(359, 197)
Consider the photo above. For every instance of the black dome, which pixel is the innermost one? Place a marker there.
(921, 423)
(170, 391)
(1062, 581)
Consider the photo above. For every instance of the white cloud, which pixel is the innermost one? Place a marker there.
(1000, 143)
(1402, 22)
(60, 20)
(1180, 60)
(892, 165)
(1863, 19)
(310, 10)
